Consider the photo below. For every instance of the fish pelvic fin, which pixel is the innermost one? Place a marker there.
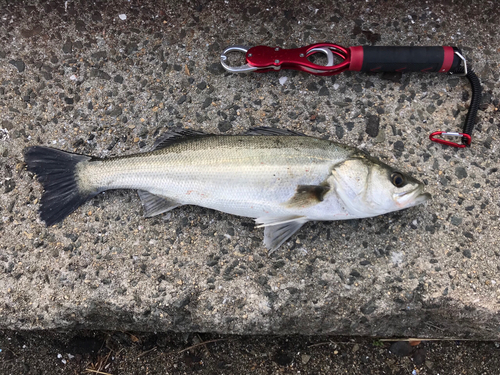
(278, 229)
(56, 170)
(155, 205)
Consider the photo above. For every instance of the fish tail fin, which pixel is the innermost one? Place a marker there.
(56, 171)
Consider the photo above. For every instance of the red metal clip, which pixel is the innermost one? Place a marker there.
(466, 139)
(264, 59)
(268, 58)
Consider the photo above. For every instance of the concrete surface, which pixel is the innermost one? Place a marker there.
(74, 75)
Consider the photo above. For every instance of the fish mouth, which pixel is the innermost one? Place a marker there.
(412, 198)
(422, 198)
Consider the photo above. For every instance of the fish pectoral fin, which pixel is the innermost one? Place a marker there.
(278, 229)
(154, 205)
(307, 195)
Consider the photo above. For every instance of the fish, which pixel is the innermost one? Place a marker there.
(280, 178)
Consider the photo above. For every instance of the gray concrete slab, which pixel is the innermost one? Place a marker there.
(81, 77)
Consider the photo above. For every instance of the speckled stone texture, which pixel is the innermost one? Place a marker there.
(76, 76)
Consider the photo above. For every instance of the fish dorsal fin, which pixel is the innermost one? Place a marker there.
(263, 130)
(278, 229)
(154, 205)
(307, 195)
(174, 136)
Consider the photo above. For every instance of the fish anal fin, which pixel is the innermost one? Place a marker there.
(278, 229)
(154, 205)
(307, 195)
(174, 136)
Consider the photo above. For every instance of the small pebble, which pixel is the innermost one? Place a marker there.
(323, 91)
(372, 125)
(19, 64)
(401, 348)
(305, 359)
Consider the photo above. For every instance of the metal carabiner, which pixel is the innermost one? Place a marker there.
(466, 139)
(236, 69)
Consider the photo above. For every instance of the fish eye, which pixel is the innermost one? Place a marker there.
(398, 179)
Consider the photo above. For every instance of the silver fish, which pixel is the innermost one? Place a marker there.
(280, 178)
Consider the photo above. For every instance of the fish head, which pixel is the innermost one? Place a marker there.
(368, 187)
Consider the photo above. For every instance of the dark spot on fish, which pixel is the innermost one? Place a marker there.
(307, 195)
